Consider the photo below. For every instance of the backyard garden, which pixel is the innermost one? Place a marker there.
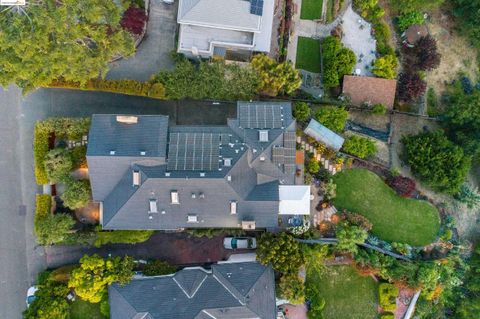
(346, 293)
(394, 218)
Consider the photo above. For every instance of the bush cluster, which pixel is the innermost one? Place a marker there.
(158, 268)
(337, 61)
(332, 117)
(358, 146)
(388, 294)
(213, 232)
(122, 237)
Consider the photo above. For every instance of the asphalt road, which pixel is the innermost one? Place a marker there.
(20, 258)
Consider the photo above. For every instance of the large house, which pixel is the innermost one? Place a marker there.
(227, 291)
(147, 174)
(224, 27)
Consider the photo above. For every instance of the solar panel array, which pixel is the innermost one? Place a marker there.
(260, 116)
(256, 7)
(193, 151)
(285, 155)
(278, 155)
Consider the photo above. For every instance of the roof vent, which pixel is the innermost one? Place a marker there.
(143, 153)
(262, 158)
(167, 174)
(202, 174)
(136, 178)
(194, 195)
(229, 178)
(201, 195)
(263, 136)
(127, 119)
(112, 152)
(227, 162)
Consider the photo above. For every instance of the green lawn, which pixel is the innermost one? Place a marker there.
(347, 295)
(394, 218)
(81, 309)
(311, 9)
(308, 54)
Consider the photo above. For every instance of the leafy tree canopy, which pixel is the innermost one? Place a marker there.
(91, 279)
(70, 39)
(386, 66)
(291, 287)
(301, 111)
(337, 61)
(468, 15)
(282, 251)
(50, 302)
(53, 229)
(77, 194)
(359, 146)
(436, 160)
(58, 164)
(349, 236)
(275, 78)
(332, 117)
(462, 119)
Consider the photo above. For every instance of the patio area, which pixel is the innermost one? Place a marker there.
(294, 311)
(357, 36)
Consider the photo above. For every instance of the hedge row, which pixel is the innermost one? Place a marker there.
(388, 294)
(128, 87)
(40, 150)
(43, 207)
(62, 128)
(122, 237)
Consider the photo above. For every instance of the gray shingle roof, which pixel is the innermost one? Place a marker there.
(230, 291)
(245, 173)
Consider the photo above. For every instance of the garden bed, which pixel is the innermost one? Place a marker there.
(308, 55)
(394, 218)
(346, 294)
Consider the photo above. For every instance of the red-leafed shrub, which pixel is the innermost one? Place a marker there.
(428, 57)
(133, 20)
(410, 87)
(404, 186)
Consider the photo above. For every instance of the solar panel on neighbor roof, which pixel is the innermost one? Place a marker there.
(193, 151)
(260, 116)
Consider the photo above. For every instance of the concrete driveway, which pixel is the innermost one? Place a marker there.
(153, 53)
(176, 248)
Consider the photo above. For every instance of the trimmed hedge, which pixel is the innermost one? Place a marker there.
(128, 87)
(388, 294)
(43, 207)
(40, 151)
(122, 237)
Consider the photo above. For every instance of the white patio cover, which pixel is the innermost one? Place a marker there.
(294, 200)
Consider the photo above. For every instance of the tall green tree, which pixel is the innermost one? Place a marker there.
(333, 117)
(437, 161)
(337, 61)
(69, 39)
(58, 164)
(282, 251)
(77, 194)
(276, 78)
(53, 229)
(50, 302)
(349, 236)
(301, 111)
(91, 279)
(386, 67)
(467, 13)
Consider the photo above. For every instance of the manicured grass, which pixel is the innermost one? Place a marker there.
(81, 309)
(394, 218)
(311, 9)
(308, 54)
(347, 295)
(330, 11)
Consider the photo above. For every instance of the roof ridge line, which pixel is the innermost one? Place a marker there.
(242, 302)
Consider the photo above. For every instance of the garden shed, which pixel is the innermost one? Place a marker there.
(414, 33)
(324, 135)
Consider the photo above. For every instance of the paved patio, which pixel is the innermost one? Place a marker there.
(357, 35)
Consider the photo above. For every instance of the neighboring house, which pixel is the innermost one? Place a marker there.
(365, 89)
(148, 175)
(324, 135)
(227, 291)
(413, 34)
(224, 27)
